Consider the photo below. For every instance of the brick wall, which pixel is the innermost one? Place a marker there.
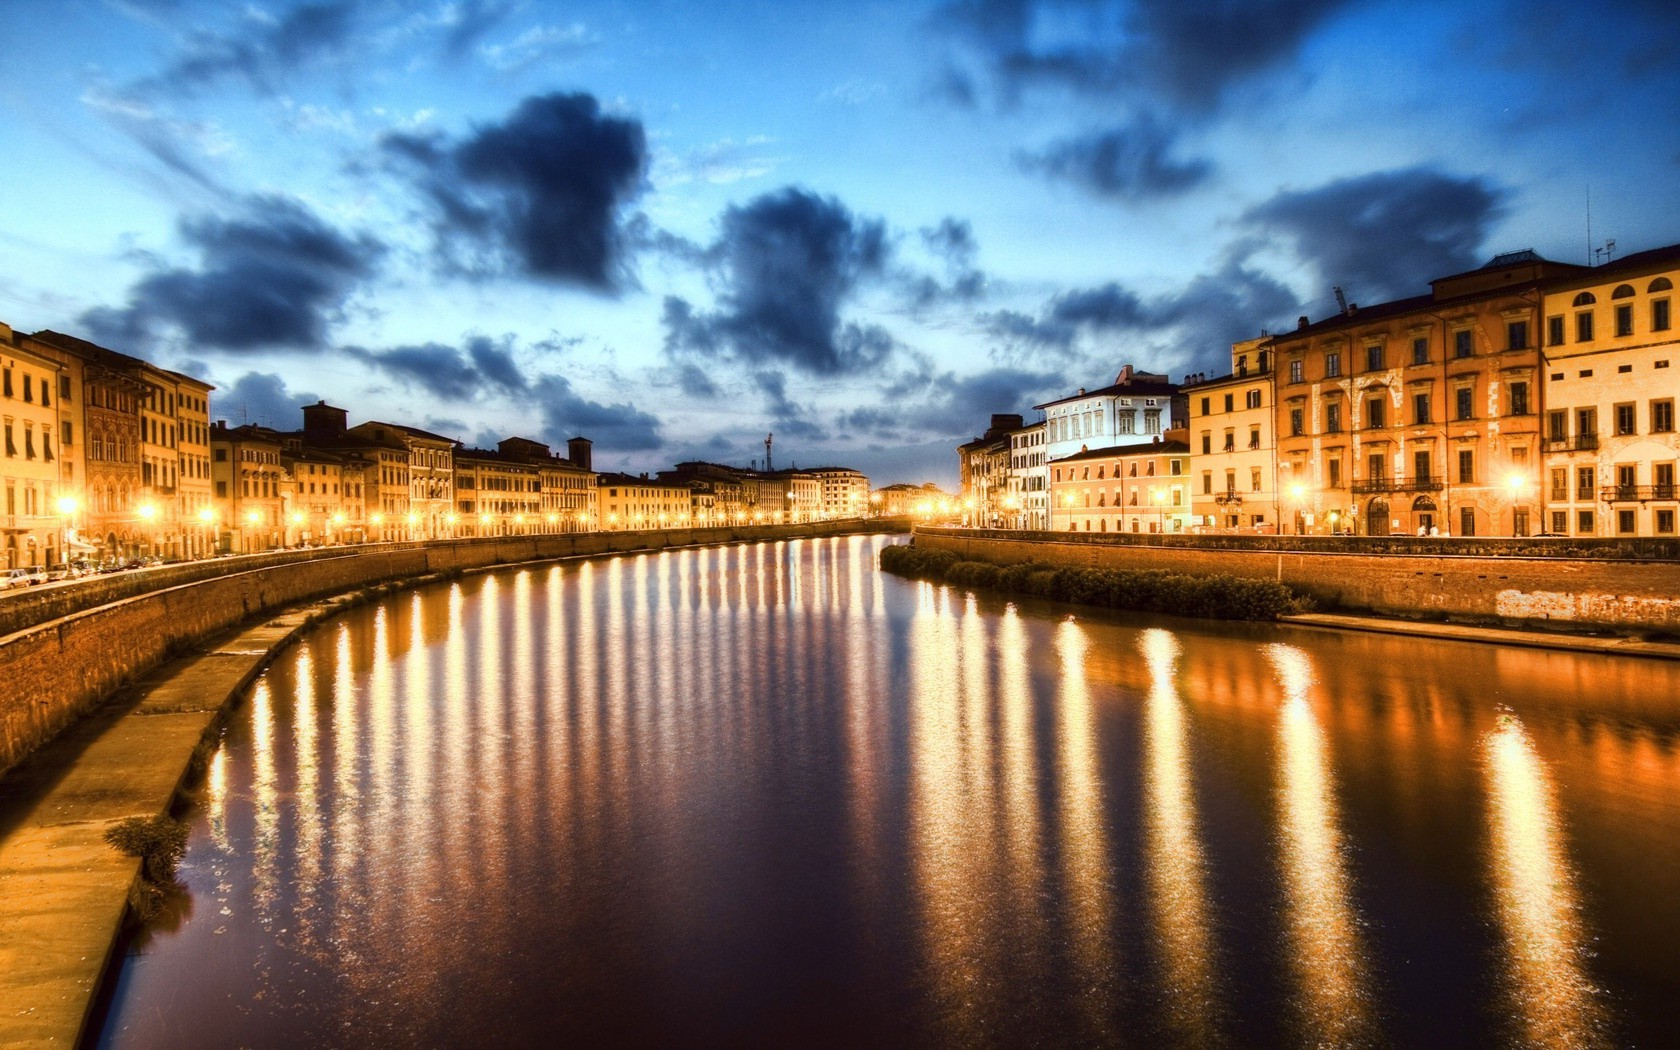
(1620, 593)
(53, 672)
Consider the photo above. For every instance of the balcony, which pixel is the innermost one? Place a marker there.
(1398, 483)
(1228, 498)
(1637, 493)
(1579, 443)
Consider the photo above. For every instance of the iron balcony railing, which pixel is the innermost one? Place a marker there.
(1636, 493)
(1399, 483)
(1578, 443)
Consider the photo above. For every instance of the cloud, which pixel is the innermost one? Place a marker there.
(261, 398)
(949, 405)
(788, 261)
(1428, 224)
(538, 44)
(567, 414)
(483, 366)
(719, 163)
(272, 276)
(1133, 162)
(694, 381)
(1186, 55)
(787, 416)
(466, 22)
(262, 50)
(1196, 325)
(539, 194)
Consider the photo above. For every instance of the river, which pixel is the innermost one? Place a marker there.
(768, 795)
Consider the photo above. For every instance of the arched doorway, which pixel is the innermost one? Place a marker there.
(1376, 517)
(1423, 515)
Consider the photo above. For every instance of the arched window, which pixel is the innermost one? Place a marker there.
(1661, 284)
(1623, 291)
(1585, 299)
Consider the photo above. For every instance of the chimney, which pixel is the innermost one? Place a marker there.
(1301, 322)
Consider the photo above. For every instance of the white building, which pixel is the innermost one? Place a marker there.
(1137, 406)
(1027, 500)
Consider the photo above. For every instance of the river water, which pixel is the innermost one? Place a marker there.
(767, 795)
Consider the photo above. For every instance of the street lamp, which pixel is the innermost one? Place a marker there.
(1517, 485)
(1298, 492)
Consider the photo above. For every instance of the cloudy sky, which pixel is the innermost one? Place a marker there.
(675, 226)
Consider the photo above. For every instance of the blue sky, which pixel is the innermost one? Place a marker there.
(673, 227)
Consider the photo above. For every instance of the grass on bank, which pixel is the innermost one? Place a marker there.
(159, 842)
(1217, 597)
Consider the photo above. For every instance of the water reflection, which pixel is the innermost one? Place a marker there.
(1325, 948)
(1176, 870)
(1552, 999)
(768, 796)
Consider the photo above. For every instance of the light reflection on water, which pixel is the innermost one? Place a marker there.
(766, 795)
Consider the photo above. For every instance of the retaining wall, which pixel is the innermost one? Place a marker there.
(1620, 593)
(53, 672)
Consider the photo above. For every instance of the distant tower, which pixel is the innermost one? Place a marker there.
(769, 439)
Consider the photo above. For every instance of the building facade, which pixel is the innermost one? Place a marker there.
(843, 492)
(1612, 378)
(36, 505)
(1232, 423)
(639, 502)
(1026, 501)
(252, 489)
(1135, 407)
(1139, 488)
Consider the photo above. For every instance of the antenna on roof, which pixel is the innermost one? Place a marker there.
(1606, 253)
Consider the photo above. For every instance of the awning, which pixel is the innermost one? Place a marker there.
(78, 545)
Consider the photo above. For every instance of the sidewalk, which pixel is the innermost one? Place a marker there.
(1579, 643)
(63, 889)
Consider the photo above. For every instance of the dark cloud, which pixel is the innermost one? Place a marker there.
(695, 381)
(272, 276)
(483, 366)
(943, 403)
(1192, 327)
(787, 416)
(789, 261)
(262, 50)
(1427, 223)
(953, 243)
(261, 398)
(467, 22)
(538, 195)
(567, 414)
(1186, 55)
(1134, 162)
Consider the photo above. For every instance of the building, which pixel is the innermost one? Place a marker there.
(1419, 414)
(326, 484)
(1143, 487)
(913, 501)
(639, 502)
(842, 492)
(32, 518)
(720, 493)
(1232, 426)
(188, 401)
(522, 487)
(1137, 405)
(251, 488)
(789, 496)
(983, 470)
(1612, 376)
(1026, 501)
(431, 482)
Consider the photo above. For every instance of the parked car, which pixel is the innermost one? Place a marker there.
(26, 576)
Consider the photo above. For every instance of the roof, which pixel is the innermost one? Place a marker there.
(628, 481)
(417, 432)
(1134, 388)
(1163, 448)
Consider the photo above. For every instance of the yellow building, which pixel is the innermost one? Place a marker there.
(252, 489)
(326, 486)
(1419, 414)
(638, 502)
(32, 521)
(1138, 488)
(1612, 363)
(1233, 447)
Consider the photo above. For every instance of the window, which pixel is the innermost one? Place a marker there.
(1230, 481)
(1465, 406)
(1334, 466)
(1560, 484)
(1376, 467)
(1519, 521)
(65, 432)
(1373, 357)
(1421, 466)
(1376, 414)
(11, 446)
(220, 455)
(1659, 315)
(1624, 521)
(64, 388)
(1624, 419)
(1664, 521)
(1467, 521)
(1230, 402)
(1420, 351)
(1207, 482)
(1295, 425)
(221, 490)
(1560, 521)
(1462, 344)
(1584, 522)
(1254, 479)
(1332, 364)
(1230, 440)
(1206, 405)
(1333, 418)
(1586, 481)
(1253, 399)
(1519, 399)
(1663, 476)
(1207, 444)
(1516, 335)
(1583, 327)
(1586, 422)
(1624, 319)
(1466, 466)
(1254, 437)
(1420, 408)
(1554, 331)
(1294, 371)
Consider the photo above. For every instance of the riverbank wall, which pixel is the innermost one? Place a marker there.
(54, 670)
(1619, 588)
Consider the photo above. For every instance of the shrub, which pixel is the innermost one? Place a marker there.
(159, 842)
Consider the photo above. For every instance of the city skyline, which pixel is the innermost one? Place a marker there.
(674, 229)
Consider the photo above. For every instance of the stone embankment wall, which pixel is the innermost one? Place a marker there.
(1615, 592)
(53, 671)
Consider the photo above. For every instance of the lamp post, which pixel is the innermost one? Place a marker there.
(1517, 485)
(1298, 492)
(67, 507)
